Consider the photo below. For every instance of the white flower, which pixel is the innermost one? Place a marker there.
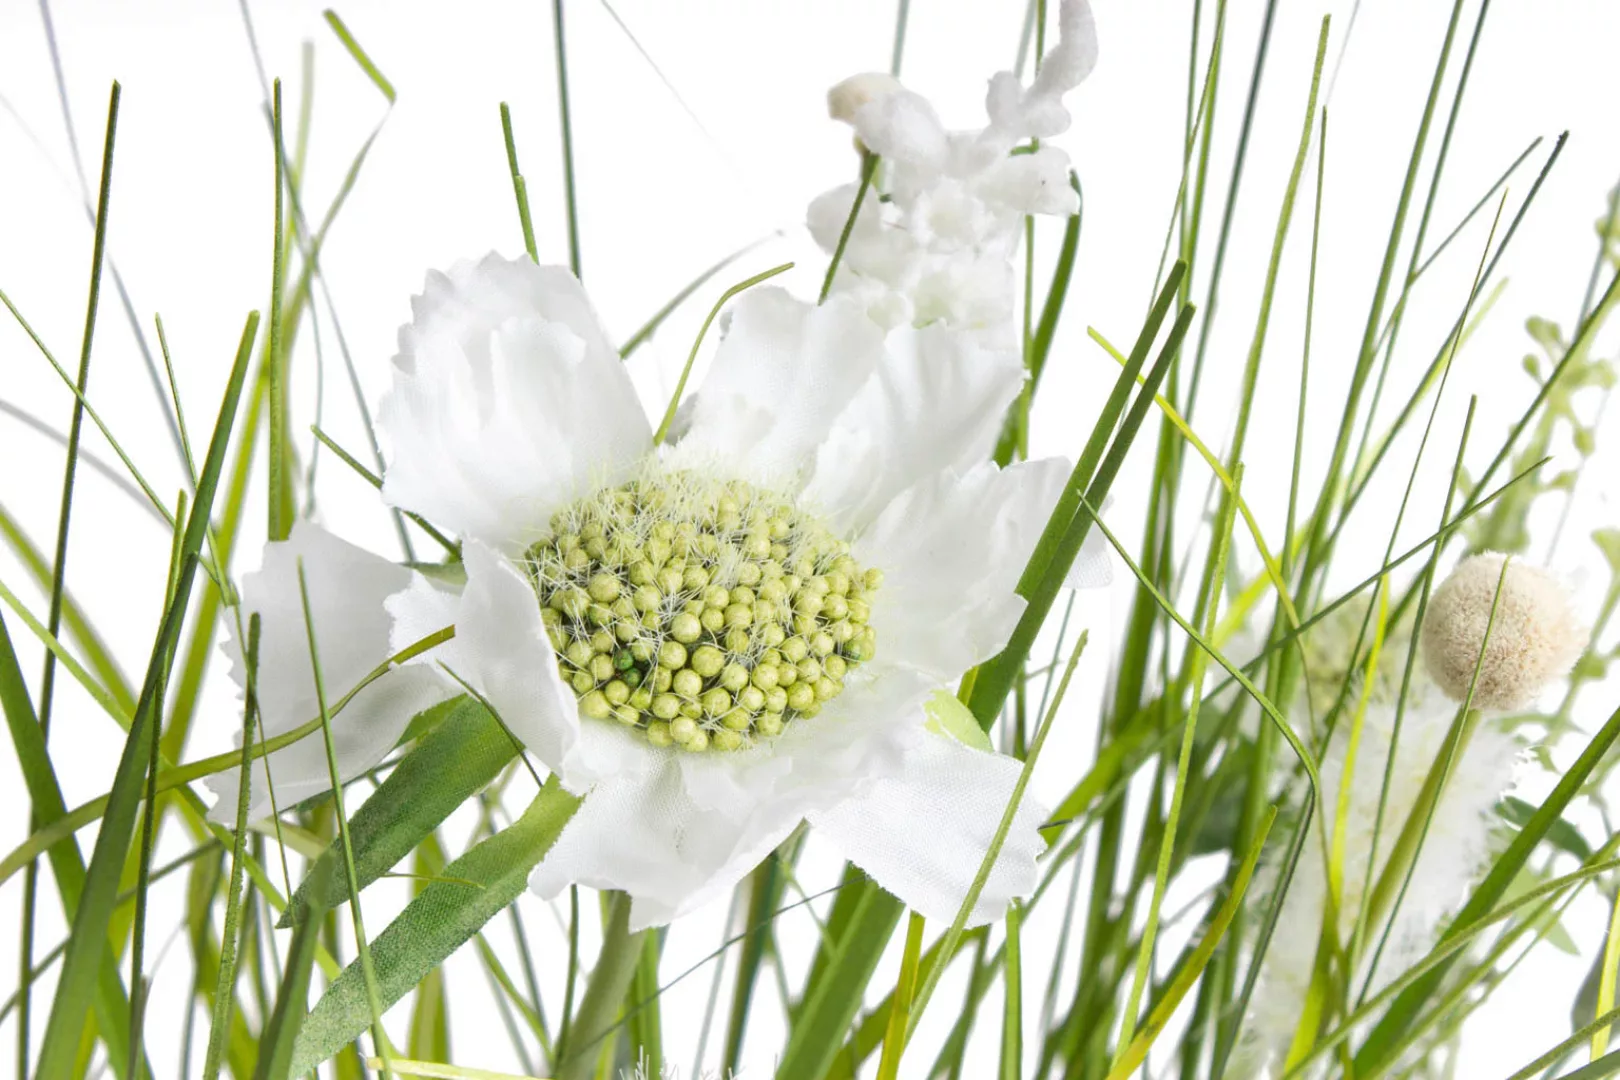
(937, 249)
(826, 513)
(1455, 851)
(1535, 635)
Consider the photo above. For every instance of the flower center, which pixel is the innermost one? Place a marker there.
(708, 614)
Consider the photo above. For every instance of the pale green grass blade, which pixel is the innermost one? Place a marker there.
(519, 188)
(646, 1022)
(450, 546)
(686, 371)
(565, 117)
(1012, 1002)
(378, 79)
(766, 885)
(650, 327)
(89, 944)
(280, 487)
(894, 1032)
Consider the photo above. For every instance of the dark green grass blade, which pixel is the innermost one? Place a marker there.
(442, 917)
(766, 885)
(88, 944)
(451, 764)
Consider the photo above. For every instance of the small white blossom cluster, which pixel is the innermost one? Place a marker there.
(937, 246)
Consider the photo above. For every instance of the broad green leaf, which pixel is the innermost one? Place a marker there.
(948, 716)
(475, 888)
(452, 763)
(1561, 834)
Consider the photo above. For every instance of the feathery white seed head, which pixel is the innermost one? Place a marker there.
(1535, 637)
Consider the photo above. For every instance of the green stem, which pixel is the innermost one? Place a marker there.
(604, 993)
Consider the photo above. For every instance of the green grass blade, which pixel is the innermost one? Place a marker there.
(869, 166)
(519, 188)
(900, 1001)
(443, 916)
(452, 763)
(1012, 1002)
(650, 327)
(280, 488)
(766, 885)
(282, 1030)
(565, 117)
(88, 945)
(378, 79)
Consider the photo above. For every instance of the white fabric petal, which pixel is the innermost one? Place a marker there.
(952, 548)
(347, 588)
(508, 402)
(936, 402)
(783, 372)
(501, 650)
(649, 838)
(923, 834)
(1035, 183)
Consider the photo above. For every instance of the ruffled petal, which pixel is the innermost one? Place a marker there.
(783, 372)
(923, 834)
(348, 589)
(501, 651)
(952, 548)
(937, 402)
(507, 403)
(1035, 183)
(648, 837)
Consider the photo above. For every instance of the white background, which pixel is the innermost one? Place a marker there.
(670, 181)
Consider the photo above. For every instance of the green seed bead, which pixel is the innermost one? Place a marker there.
(672, 654)
(695, 579)
(769, 724)
(817, 584)
(622, 608)
(623, 660)
(683, 729)
(669, 580)
(596, 705)
(725, 739)
(686, 628)
(697, 743)
(809, 669)
(707, 661)
(604, 588)
(666, 706)
(624, 714)
(859, 610)
(632, 678)
(599, 615)
(616, 692)
(661, 680)
(716, 596)
(834, 666)
(739, 615)
(748, 573)
(801, 697)
(643, 574)
(872, 579)
(756, 546)
(827, 689)
(837, 580)
(771, 570)
(713, 620)
(657, 550)
(764, 676)
(603, 642)
(775, 700)
(795, 649)
(751, 698)
(647, 598)
(715, 701)
(601, 668)
(771, 634)
(688, 683)
(734, 677)
(843, 631)
(822, 643)
(641, 698)
(582, 682)
(786, 675)
(658, 733)
(571, 601)
(779, 553)
(579, 653)
(737, 720)
(641, 650)
(834, 607)
(691, 710)
(737, 641)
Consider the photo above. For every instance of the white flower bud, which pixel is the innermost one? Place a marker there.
(845, 99)
(1535, 636)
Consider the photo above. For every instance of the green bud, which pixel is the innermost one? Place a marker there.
(787, 675)
(599, 615)
(624, 714)
(571, 601)
(817, 584)
(713, 620)
(697, 743)
(734, 677)
(716, 596)
(603, 642)
(666, 706)
(617, 692)
(834, 667)
(809, 669)
(715, 701)
(648, 598)
(872, 579)
(826, 689)
(661, 680)
(694, 579)
(601, 668)
(838, 580)
(582, 682)
(834, 607)
(822, 643)
(683, 729)
(769, 724)
(686, 628)
(775, 700)
(737, 640)
(623, 660)
(737, 720)
(771, 635)
(672, 654)
(708, 660)
(795, 649)
(643, 574)
(579, 653)
(751, 698)
(739, 615)
(669, 580)
(725, 739)
(688, 683)
(658, 733)
(641, 698)
(801, 696)
(595, 705)
(748, 573)
(764, 676)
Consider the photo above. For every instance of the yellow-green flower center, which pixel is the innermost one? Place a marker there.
(707, 614)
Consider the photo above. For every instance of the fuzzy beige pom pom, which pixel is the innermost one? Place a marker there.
(1535, 637)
